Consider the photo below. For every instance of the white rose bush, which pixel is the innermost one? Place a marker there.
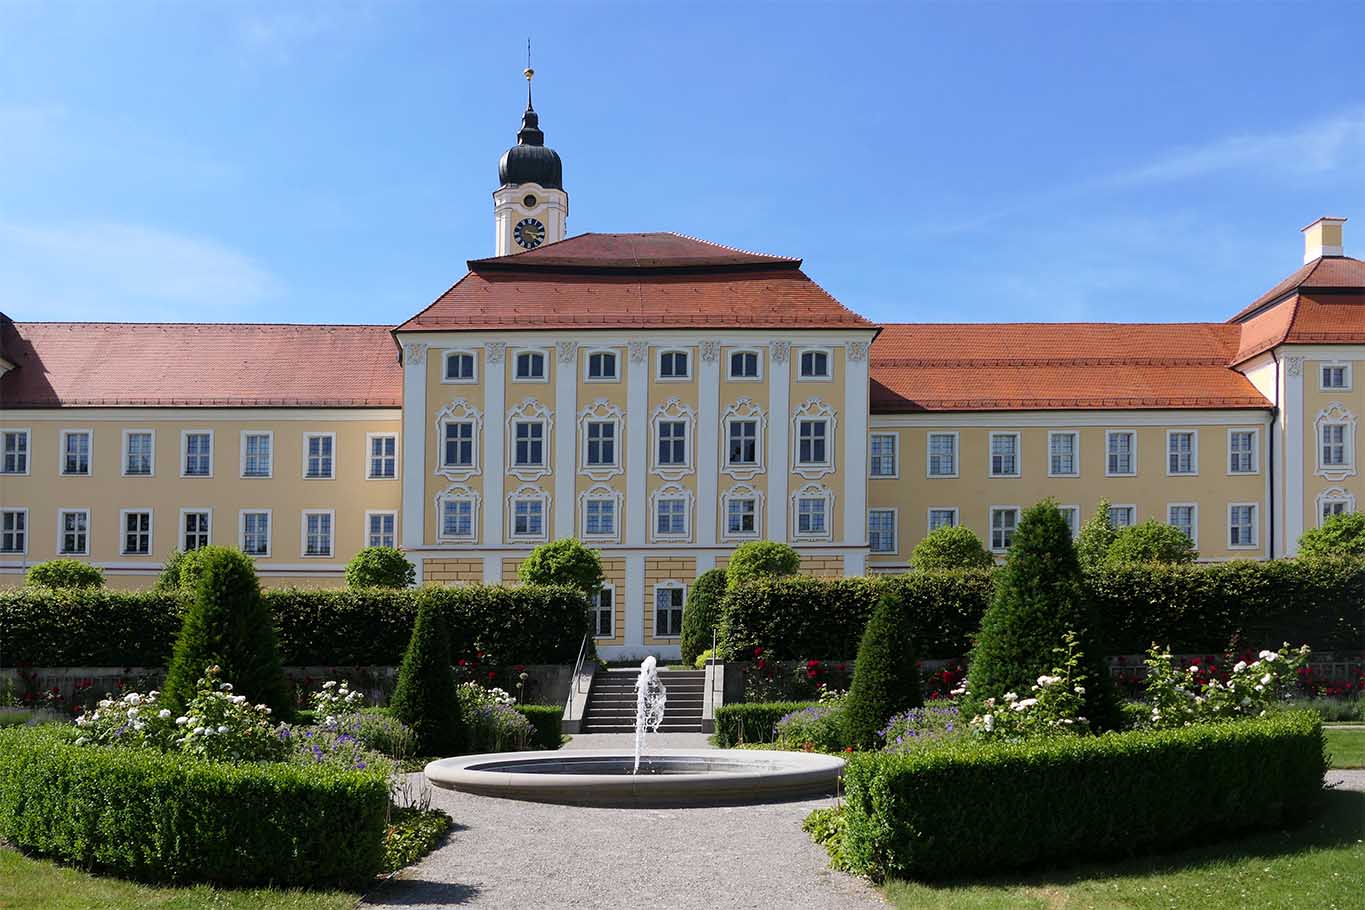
(1179, 697)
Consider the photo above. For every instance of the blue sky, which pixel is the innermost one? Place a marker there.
(334, 161)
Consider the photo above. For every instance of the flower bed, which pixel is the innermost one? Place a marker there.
(753, 722)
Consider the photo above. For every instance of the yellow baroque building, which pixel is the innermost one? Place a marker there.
(665, 399)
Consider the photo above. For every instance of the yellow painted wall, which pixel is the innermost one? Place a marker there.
(441, 394)
(660, 569)
(830, 392)
(1316, 401)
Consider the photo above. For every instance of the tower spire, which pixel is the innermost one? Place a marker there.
(528, 73)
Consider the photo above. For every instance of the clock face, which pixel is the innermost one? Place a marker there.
(529, 233)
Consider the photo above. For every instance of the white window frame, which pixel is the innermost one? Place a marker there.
(529, 411)
(659, 364)
(89, 529)
(1344, 366)
(151, 452)
(372, 514)
(89, 453)
(741, 491)
(525, 494)
(671, 491)
(320, 434)
(799, 354)
(270, 466)
(669, 585)
(27, 433)
(588, 355)
(598, 611)
(729, 365)
(929, 517)
(458, 493)
(1336, 414)
(1332, 496)
(1194, 452)
(895, 456)
(612, 465)
(269, 531)
(895, 532)
(1194, 518)
(1018, 454)
(183, 531)
(814, 409)
(1255, 526)
(812, 491)
(397, 455)
(673, 411)
(990, 527)
(544, 355)
(185, 454)
(18, 510)
(123, 532)
(1255, 451)
(929, 454)
(445, 366)
(1076, 509)
(1075, 453)
(1132, 451)
(331, 533)
(1123, 505)
(601, 493)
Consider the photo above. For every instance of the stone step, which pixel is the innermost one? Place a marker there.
(625, 716)
(674, 687)
(589, 727)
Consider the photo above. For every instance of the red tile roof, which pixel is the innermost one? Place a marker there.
(1057, 366)
(99, 364)
(1324, 272)
(645, 281)
(1321, 303)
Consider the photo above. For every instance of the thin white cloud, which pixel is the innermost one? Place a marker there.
(276, 34)
(126, 272)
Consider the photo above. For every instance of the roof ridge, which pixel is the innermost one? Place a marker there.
(1047, 361)
(1218, 325)
(733, 249)
(270, 325)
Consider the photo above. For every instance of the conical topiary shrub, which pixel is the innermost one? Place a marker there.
(1039, 597)
(885, 678)
(228, 625)
(701, 614)
(425, 698)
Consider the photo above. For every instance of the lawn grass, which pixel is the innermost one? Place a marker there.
(1320, 865)
(1347, 747)
(31, 884)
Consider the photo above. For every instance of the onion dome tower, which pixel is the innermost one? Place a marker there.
(530, 207)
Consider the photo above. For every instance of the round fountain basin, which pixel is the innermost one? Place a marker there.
(667, 777)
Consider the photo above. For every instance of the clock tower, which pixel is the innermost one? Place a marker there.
(530, 208)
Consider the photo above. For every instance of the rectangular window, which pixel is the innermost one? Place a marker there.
(743, 365)
(457, 518)
(529, 443)
(743, 443)
(881, 530)
(74, 525)
(810, 516)
(672, 442)
(1242, 525)
(812, 442)
(668, 611)
(1181, 517)
(198, 455)
(530, 365)
(196, 530)
(1072, 516)
(383, 457)
(604, 613)
(670, 517)
(1181, 449)
(317, 448)
(256, 455)
(942, 518)
(1061, 454)
(137, 533)
(528, 518)
(317, 533)
(882, 455)
(459, 367)
(256, 533)
(1003, 523)
(1123, 516)
(15, 459)
(1242, 452)
(599, 517)
(1336, 376)
(1121, 445)
(601, 442)
(942, 454)
(76, 452)
(1004, 454)
(1333, 444)
(380, 530)
(601, 366)
(459, 444)
(137, 453)
(814, 365)
(1334, 507)
(741, 516)
(673, 365)
(14, 531)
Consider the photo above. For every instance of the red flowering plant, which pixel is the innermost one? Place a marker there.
(769, 679)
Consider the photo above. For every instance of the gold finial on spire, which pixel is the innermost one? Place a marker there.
(528, 73)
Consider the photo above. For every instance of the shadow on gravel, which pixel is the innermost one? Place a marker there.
(413, 892)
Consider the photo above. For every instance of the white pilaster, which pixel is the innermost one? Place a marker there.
(414, 443)
(708, 452)
(566, 433)
(855, 563)
(855, 420)
(635, 601)
(1292, 421)
(492, 570)
(636, 509)
(779, 432)
(705, 562)
(494, 429)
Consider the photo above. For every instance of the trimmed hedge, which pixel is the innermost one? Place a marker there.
(976, 808)
(545, 720)
(752, 722)
(164, 817)
(369, 627)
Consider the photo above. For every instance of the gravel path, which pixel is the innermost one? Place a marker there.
(1347, 779)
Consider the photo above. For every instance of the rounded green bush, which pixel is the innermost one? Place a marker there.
(701, 613)
(1340, 535)
(1095, 539)
(380, 567)
(761, 559)
(180, 573)
(425, 697)
(228, 625)
(951, 548)
(563, 562)
(885, 677)
(1151, 541)
(64, 573)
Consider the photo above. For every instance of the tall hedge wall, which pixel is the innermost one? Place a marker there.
(72, 628)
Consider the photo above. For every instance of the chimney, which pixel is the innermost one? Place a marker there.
(1322, 238)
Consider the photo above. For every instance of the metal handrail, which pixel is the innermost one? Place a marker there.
(577, 668)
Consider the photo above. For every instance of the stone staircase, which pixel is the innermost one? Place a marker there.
(611, 701)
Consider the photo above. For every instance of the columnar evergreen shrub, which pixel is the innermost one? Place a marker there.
(701, 613)
(60, 574)
(1340, 536)
(1095, 539)
(1039, 597)
(955, 547)
(885, 678)
(380, 567)
(229, 626)
(1151, 541)
(761, 559)
(425, 697)
(563, 562)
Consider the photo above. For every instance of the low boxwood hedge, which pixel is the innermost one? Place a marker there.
(975, 808)
(545, 721)
(752, 722)
(168, 817)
